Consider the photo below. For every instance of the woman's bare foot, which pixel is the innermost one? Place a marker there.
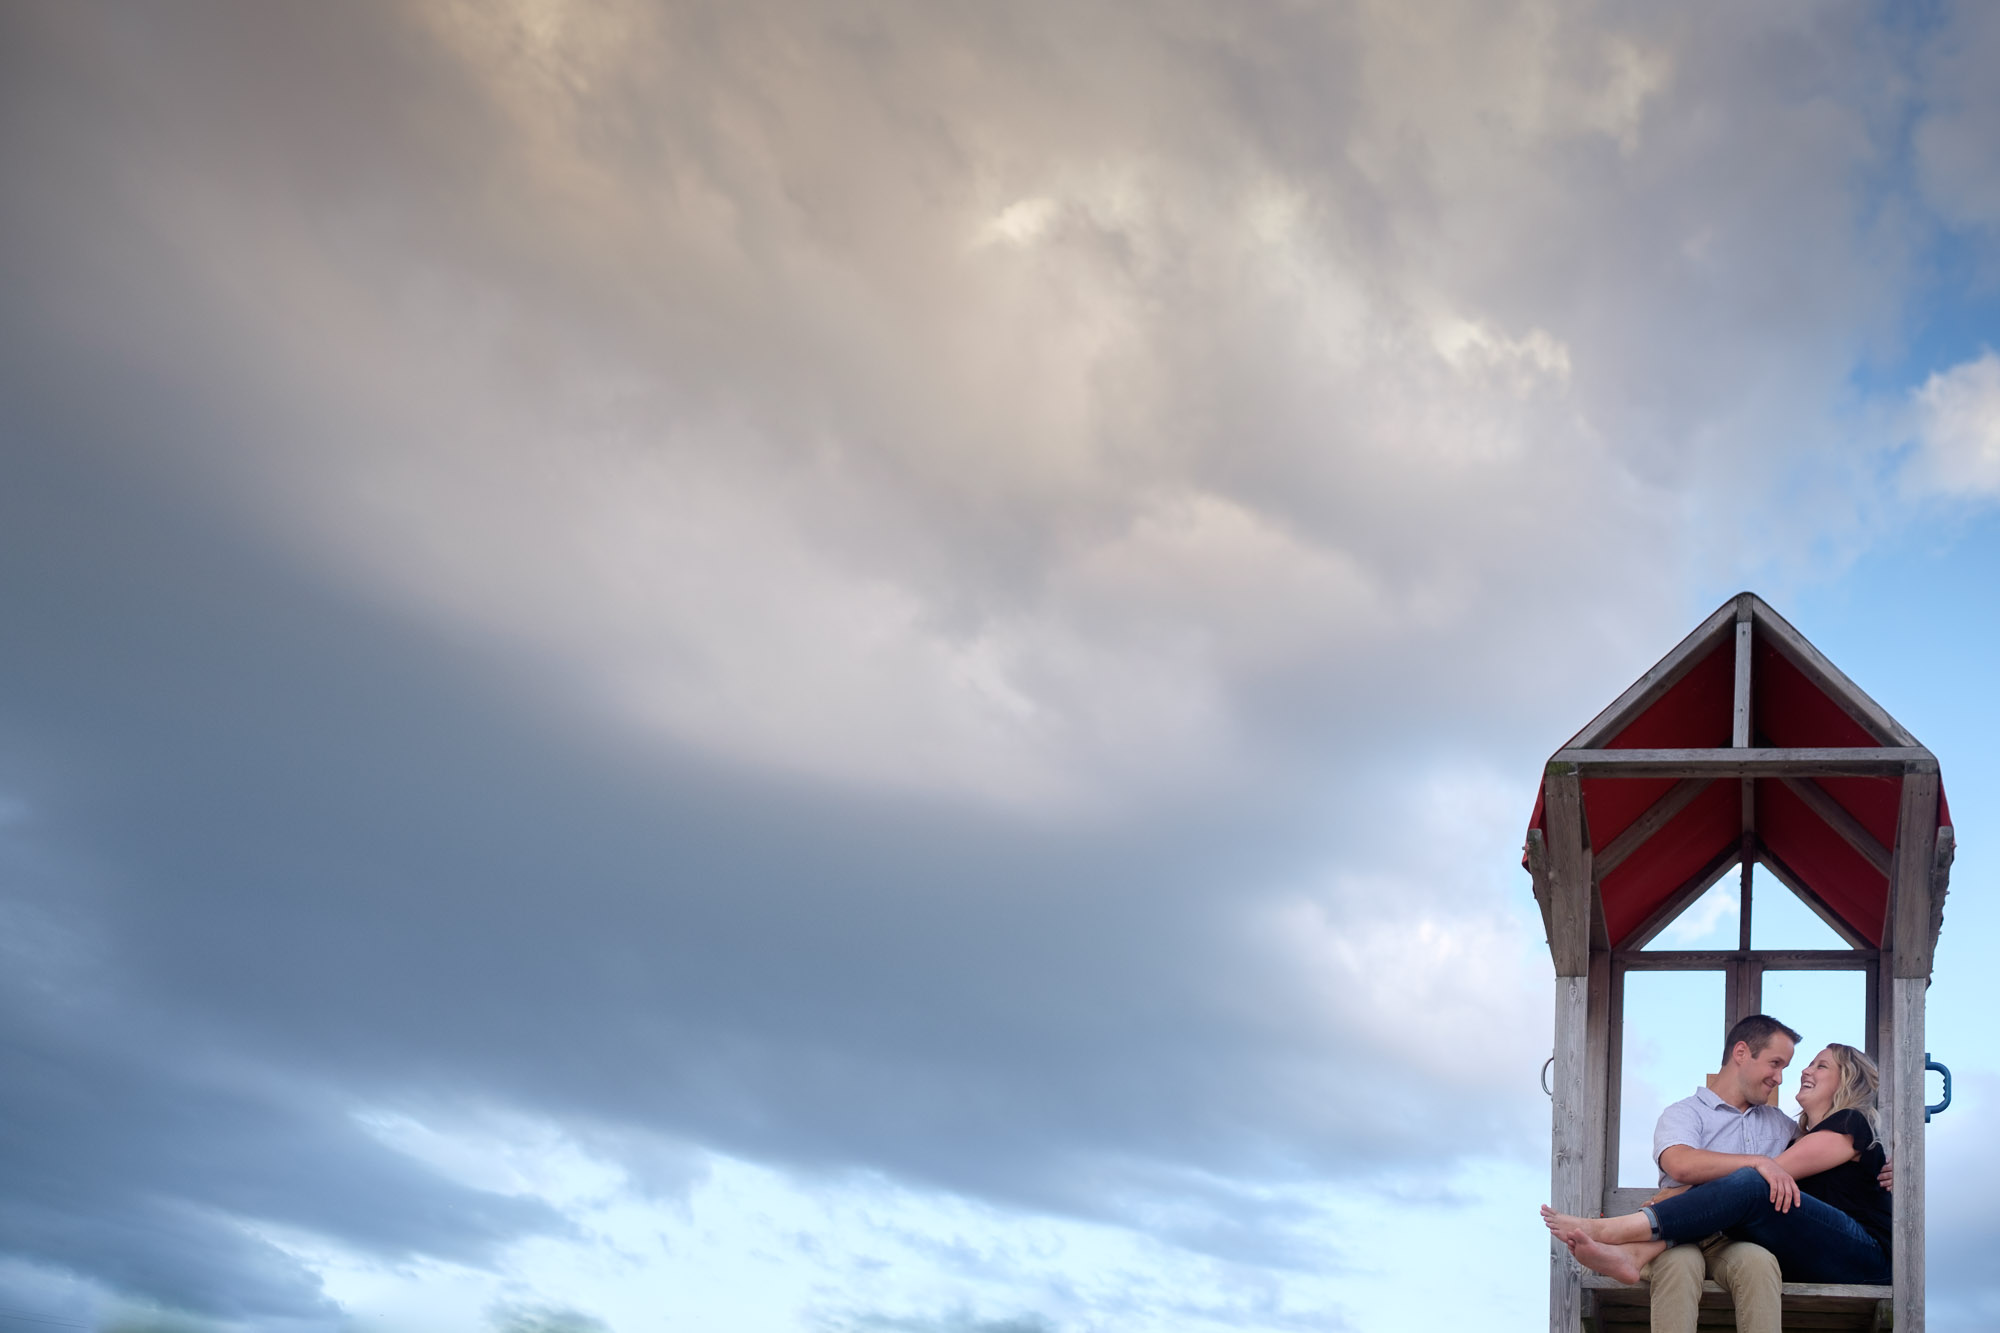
(1614, 1261)
(1626, 1229)
(1561, 1222)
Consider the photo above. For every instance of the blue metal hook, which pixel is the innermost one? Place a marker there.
(1930, 1111)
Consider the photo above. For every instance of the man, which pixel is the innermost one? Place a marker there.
(1729, 1123)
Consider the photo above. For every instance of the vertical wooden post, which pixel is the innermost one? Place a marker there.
(1569, 872)
(1871, 1024)
(1597, 1090)
(1569, 944)
(1885, 1041)
(1910, 874)
(1614, 1076)
(1740, 716)
(1907, 1257)
(1568, 1133)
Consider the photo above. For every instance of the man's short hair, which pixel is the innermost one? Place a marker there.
(1755, 1031)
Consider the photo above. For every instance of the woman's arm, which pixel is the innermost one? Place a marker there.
(1816, 1151)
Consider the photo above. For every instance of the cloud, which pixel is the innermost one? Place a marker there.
(1958, 431)
(1952, 141)
(924, 590)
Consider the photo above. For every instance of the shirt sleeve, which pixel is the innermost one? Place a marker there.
(1678, 1126)
(1851, 1123)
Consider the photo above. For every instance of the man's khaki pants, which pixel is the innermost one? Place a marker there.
(1747, 1272)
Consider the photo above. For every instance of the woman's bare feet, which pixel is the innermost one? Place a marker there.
(1561, 1222)
(1626, 1229)
(1614, 1261)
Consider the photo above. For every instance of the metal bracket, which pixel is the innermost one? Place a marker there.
(1552, 1092)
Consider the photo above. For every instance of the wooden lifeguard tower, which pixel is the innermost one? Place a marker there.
(1743, 746)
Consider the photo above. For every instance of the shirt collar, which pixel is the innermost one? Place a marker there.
(1707, 1097)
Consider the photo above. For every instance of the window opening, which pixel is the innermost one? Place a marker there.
(1824, 1007)
(1712, 921)
(1672, 1038)
(1779, 919)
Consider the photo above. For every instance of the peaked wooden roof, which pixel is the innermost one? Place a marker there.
(1705, 751)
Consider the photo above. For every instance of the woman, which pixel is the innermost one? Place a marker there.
(1837, 1232)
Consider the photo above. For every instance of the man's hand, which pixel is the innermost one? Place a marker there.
(1784, 1189)
(1886, 1177)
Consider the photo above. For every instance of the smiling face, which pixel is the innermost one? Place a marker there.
(1758, 1074)
(1818, 1082)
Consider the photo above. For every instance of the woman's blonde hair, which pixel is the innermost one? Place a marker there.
(1856, 1090)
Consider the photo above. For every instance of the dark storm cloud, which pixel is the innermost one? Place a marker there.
(342, 852)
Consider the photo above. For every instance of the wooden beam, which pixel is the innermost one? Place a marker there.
(1567, 1137)
(1825, 761)
(1654, 818)
(1739, 731)
(1947, 848)
(1614, 1083)
(1818, 800)
(1743, 895)
(1569, 875)
(1792, 645)
(1907, 1226)
(1774, 960)
(1680, 899)
(1666, 673)
(1600, 928)
(1885, 1037)
(1910, 876)
(1871, 1018)
(1537, 852)
(1596, 1073)
(1822, 909)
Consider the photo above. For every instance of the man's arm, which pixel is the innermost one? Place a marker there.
(1696, 1166)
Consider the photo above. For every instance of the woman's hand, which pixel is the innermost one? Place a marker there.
(1666, 1194)
(1784, 1189)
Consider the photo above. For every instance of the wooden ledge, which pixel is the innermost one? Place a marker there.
(1611, 1306)
(1849, 1291)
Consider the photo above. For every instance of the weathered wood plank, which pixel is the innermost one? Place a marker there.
(1803, 1290)
(1822, 909)
(1743, 890)
(1679, 900)
(1739, 730)
(1908, 1226)
(1809, 761)
(1596, 1073)
(1871, 1021)
(1568, 1135)
(1806, 1306)
(1874, 719)
(1628, 1198)
(1614, 1090)
(1538, 876)
(1820, 802)
(1569, 875)
(1776, 960)
(1666, 673)
(1885, 1063)
(1654, 818)
(1782, 960)
(1600, 929)
(1947, 849)
(1910, 874)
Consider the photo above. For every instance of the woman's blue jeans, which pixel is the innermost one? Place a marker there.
(1814, 1242)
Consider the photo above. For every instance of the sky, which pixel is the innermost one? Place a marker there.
(877, 668)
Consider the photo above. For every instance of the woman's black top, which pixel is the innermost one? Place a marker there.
(1851, 1187)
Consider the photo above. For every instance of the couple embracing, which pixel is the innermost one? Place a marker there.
(1750, 1196)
